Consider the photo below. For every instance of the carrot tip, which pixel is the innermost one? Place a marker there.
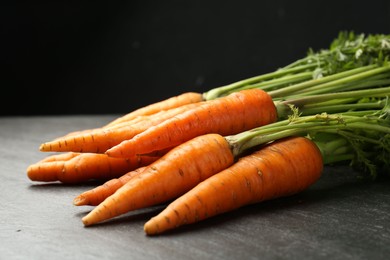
(29, 168)
(86, 222)
(42, 147)
(111, 153)
(79, 201)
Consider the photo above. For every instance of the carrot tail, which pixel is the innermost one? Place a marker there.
(85, 167)
(282, 168)
(92, 130)
(96, 195)
(119, 122)
(228, 115)
(99, 140)
(173, 174)
(173, 102)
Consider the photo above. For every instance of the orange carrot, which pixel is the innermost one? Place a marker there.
(82, 167)
(99, 140)
(96, 195)
(172, 175)
(172, 102)
(143, 112)
(282, 168)
(227, 115)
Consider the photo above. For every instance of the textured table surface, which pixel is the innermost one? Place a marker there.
(337, 218)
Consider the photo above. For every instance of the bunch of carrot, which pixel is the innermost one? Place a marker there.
(253, 140)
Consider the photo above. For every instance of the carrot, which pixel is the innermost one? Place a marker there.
(227, 115)
(282, 168)
(99, 140)
(96, 195)
(173, 174)
(172, 102)
(82, 167)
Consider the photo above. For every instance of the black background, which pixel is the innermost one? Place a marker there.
(103, 57)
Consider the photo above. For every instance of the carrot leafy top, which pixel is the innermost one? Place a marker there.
(338, 97)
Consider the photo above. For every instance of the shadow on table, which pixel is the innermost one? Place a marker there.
(335, 185)
(59, 185)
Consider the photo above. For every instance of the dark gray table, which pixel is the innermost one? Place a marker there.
(337, 218)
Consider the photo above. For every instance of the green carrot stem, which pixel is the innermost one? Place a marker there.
(284, 107)
(335, 158)
(337, 101)
(335, 149)
(360, 113)
(302, 126)
(281, 82)
(325, 88)
(225, 90)
(341, 108)
(369, 82)
(318, 82)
